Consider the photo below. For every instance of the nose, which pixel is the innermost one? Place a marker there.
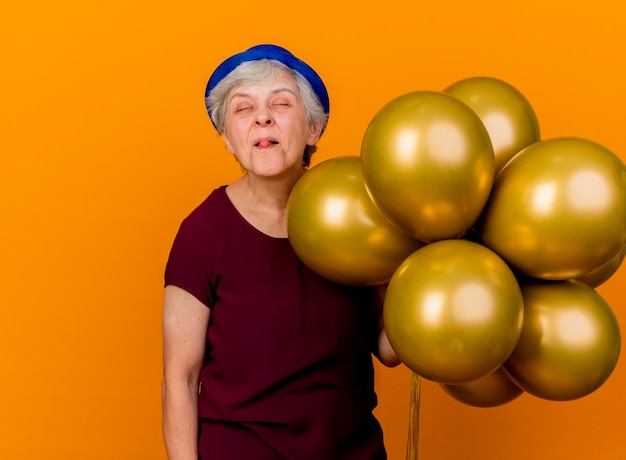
(264, 118)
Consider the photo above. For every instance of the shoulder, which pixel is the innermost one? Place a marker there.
(206, 215)
(215, 202)
(191, 261)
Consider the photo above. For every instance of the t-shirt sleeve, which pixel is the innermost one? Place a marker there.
(188, 263)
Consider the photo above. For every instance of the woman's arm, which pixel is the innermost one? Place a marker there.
(185, 323)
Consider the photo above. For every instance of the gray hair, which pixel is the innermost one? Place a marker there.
(251, 72)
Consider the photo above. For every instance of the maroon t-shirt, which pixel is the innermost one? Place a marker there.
(288, 366)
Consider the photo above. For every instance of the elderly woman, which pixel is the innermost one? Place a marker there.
(264, 359)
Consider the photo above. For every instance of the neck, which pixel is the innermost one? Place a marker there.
(263, 202)
(269, 192)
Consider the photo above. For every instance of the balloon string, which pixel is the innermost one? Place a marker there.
(414, 418)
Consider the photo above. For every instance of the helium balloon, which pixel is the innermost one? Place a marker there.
(337, 231)
(558, 209)
(428, 164)
(453, 311)
(599, 275)
(492, 390)
(570, 341)
(506, 113)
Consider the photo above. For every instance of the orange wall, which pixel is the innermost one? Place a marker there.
(105, 147)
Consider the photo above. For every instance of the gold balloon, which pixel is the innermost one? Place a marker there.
(492, 390)
(558, 209)
(599, 275)
(337, 231)
(570, 341)
(453, 311)
(506, 113)
(428, 164)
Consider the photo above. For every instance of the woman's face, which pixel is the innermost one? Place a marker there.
(266, 126)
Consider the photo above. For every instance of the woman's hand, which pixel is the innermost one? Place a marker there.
(386, 355)
(384, 351)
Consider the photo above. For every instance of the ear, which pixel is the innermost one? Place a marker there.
(224, 137)
(315, 133)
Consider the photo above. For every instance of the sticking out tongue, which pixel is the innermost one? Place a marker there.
(265, 143)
